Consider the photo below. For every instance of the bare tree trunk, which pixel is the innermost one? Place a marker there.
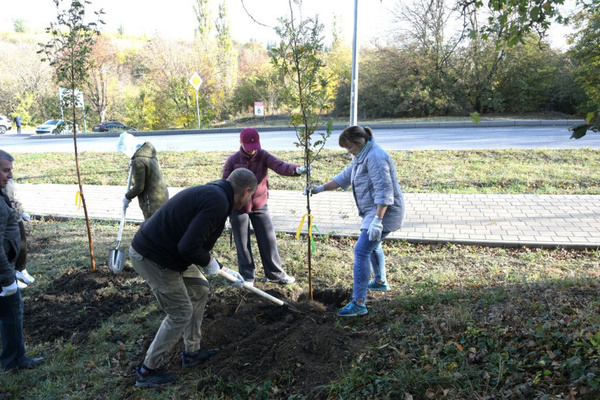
(87, 219)
(310, 221)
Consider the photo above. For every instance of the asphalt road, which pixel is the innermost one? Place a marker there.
(460, 138)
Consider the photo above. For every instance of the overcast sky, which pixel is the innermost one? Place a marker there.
(176, 18)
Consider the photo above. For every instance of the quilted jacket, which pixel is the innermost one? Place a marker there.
(374, 182)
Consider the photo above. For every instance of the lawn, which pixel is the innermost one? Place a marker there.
(460, 322)
(540, 171)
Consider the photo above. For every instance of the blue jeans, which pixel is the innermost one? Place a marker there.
(11, 329)
(367, 255)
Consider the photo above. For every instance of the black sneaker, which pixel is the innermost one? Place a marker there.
(26, 363)
(154, 377)
(196, 357)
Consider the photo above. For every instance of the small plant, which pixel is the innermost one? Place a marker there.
(307, 91)
(68, 52)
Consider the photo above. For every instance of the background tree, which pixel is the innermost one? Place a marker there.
(20, 26)
(102, 77)
(299, 60)
(227, 65)
(586, 50)
(69, 53)
(202, 11)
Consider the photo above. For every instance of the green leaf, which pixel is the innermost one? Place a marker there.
(579, 131)
(591, 116)
(475, 117)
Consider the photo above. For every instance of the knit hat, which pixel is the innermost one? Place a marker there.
(250, 139)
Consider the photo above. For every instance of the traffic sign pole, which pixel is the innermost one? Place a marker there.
(198, 110)
(196, 81)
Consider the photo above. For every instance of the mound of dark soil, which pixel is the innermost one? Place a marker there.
(78, 302)
(299, 351)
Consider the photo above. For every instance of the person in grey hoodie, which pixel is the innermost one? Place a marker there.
(380, 203)
(148, 187)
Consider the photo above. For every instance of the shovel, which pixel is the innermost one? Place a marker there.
(257, 291)
(116, 258)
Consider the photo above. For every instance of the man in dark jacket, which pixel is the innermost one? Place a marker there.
(166, 252)
(148, 186)
(11, 303)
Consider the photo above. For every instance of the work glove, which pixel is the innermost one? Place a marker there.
(375, 229)
(240, 280)
(126, 202)
(9, 290)
(213, 267)
(315, 190)
(302, 170)
(25, 217)
(25, 277)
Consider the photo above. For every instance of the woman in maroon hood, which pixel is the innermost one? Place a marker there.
(259, 161)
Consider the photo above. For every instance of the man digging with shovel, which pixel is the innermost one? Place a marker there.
(167, 250)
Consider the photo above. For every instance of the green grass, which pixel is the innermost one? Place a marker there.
(461, 322)
(475, 171)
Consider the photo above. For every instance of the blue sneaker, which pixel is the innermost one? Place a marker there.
(352, 309)
(381, 287)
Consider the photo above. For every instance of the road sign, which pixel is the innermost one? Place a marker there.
(259, 108)
(196, 81)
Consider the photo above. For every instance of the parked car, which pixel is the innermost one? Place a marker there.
(5, 125)
(112, 126)
(55, 126)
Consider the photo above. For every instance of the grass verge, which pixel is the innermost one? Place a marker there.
(539, 171)
(461, 322)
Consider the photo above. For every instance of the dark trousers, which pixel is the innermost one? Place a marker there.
(21, 263)
(265, 238)
(11, 330)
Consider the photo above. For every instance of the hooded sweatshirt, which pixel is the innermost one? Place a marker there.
(149, 186)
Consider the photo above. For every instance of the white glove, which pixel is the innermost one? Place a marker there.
(9, 290)
(375, 229)
(302, 170)
(317, 189)
(126, 202)
(240, 280)
(25, 277)
(25, 217)
(213, 267)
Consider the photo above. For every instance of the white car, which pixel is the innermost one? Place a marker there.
(55, 126)
(5, 125)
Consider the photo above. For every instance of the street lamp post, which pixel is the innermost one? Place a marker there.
(354, 81)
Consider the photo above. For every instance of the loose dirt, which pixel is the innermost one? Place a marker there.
(299, 352)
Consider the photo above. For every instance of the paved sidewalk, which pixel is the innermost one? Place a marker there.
(495, 220)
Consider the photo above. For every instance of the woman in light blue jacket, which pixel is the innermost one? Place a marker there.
(380, 203)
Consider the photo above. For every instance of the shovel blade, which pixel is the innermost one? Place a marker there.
(116, 261)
